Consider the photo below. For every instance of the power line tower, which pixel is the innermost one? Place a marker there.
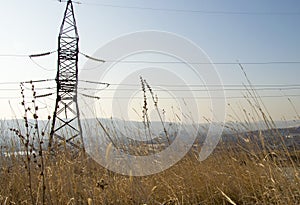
(66, 125)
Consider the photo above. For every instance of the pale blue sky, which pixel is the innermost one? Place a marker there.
(32, 27)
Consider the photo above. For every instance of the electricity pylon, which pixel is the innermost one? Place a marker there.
(66, 126)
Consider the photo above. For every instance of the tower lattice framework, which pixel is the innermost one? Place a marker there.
(66, 127)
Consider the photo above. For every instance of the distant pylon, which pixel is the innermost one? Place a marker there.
(66, 127)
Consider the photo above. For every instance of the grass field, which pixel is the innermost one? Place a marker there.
(237, 172)
(231, 175)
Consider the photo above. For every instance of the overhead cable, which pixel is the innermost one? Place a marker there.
(210, 12)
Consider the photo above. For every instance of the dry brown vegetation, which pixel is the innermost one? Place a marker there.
(229, 176)
(236, 173)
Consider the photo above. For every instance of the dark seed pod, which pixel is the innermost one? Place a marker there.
(35, 116)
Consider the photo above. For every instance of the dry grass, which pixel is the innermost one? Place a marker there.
(226, 177)
(236, 173)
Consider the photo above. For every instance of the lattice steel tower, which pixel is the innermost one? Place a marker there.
(66, 125)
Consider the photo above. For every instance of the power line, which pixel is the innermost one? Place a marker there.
(9, 83)
(29, 81)
(9, 89)
(10, 98)
(204, 90)
(14, 55)
(210, 12)
(186, 62)
(203, 97)
(165, 98)
(177, 97)
(18, 89)
(40, 66)
(31, 56)
(12, 89)
(27, 55)
(209, 85)
(157, 90)
(207, 63)
(278, 86)
(194, 85)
